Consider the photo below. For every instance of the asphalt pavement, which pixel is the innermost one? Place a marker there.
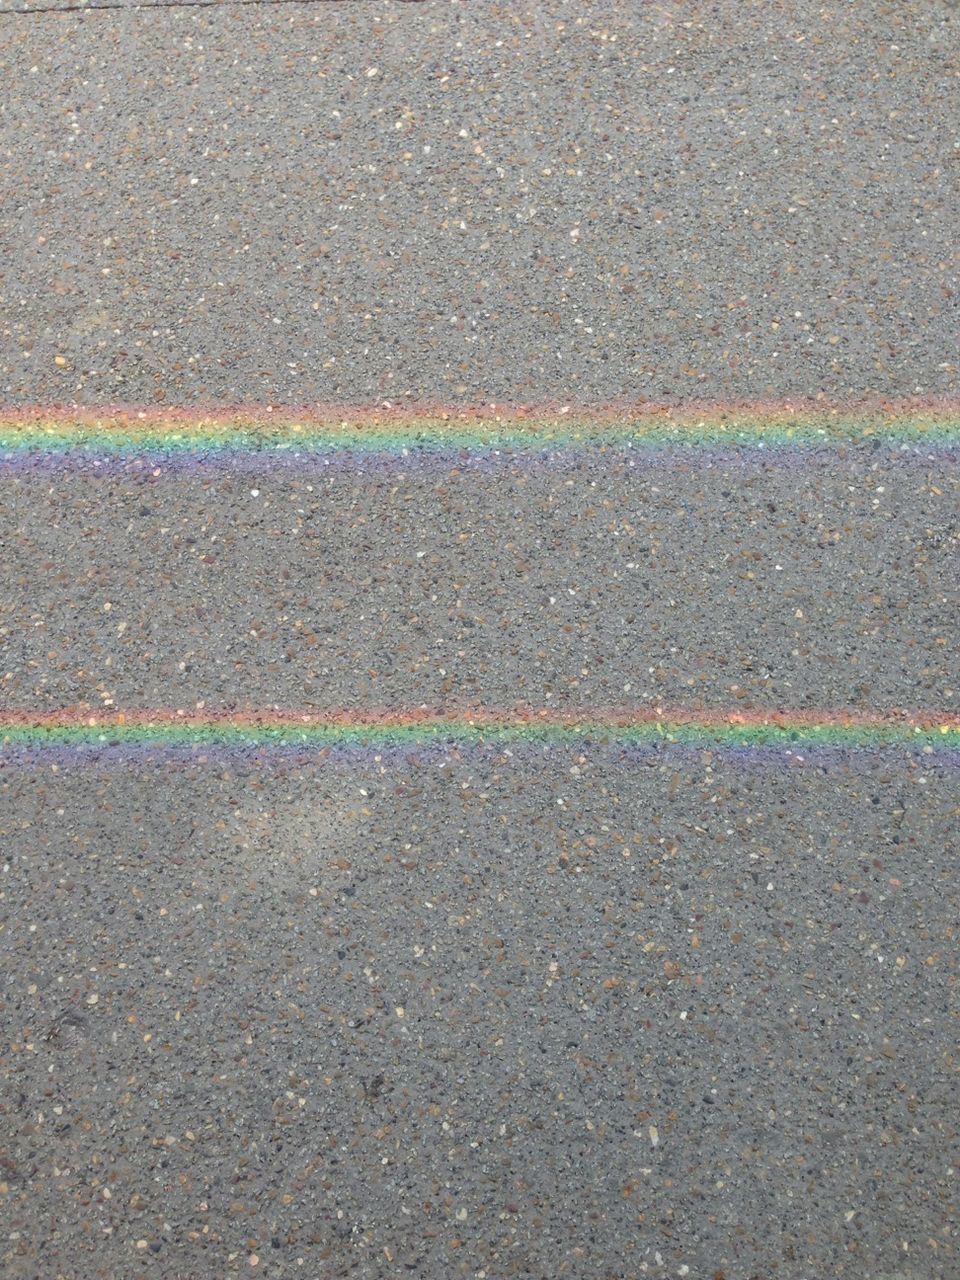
(510, 1010)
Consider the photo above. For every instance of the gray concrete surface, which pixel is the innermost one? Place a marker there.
(615, 200)
(430, 1021)
(569, 584)
(559, 1013)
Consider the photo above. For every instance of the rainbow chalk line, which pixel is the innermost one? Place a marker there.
(315, 730)
(62, 434)
(130, 433)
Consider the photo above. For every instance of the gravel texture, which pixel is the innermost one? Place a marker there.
(323, 201)
(569, 584)
(533, 1016)
(559, 1012)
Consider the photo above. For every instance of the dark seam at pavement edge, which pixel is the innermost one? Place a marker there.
(171, 4)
